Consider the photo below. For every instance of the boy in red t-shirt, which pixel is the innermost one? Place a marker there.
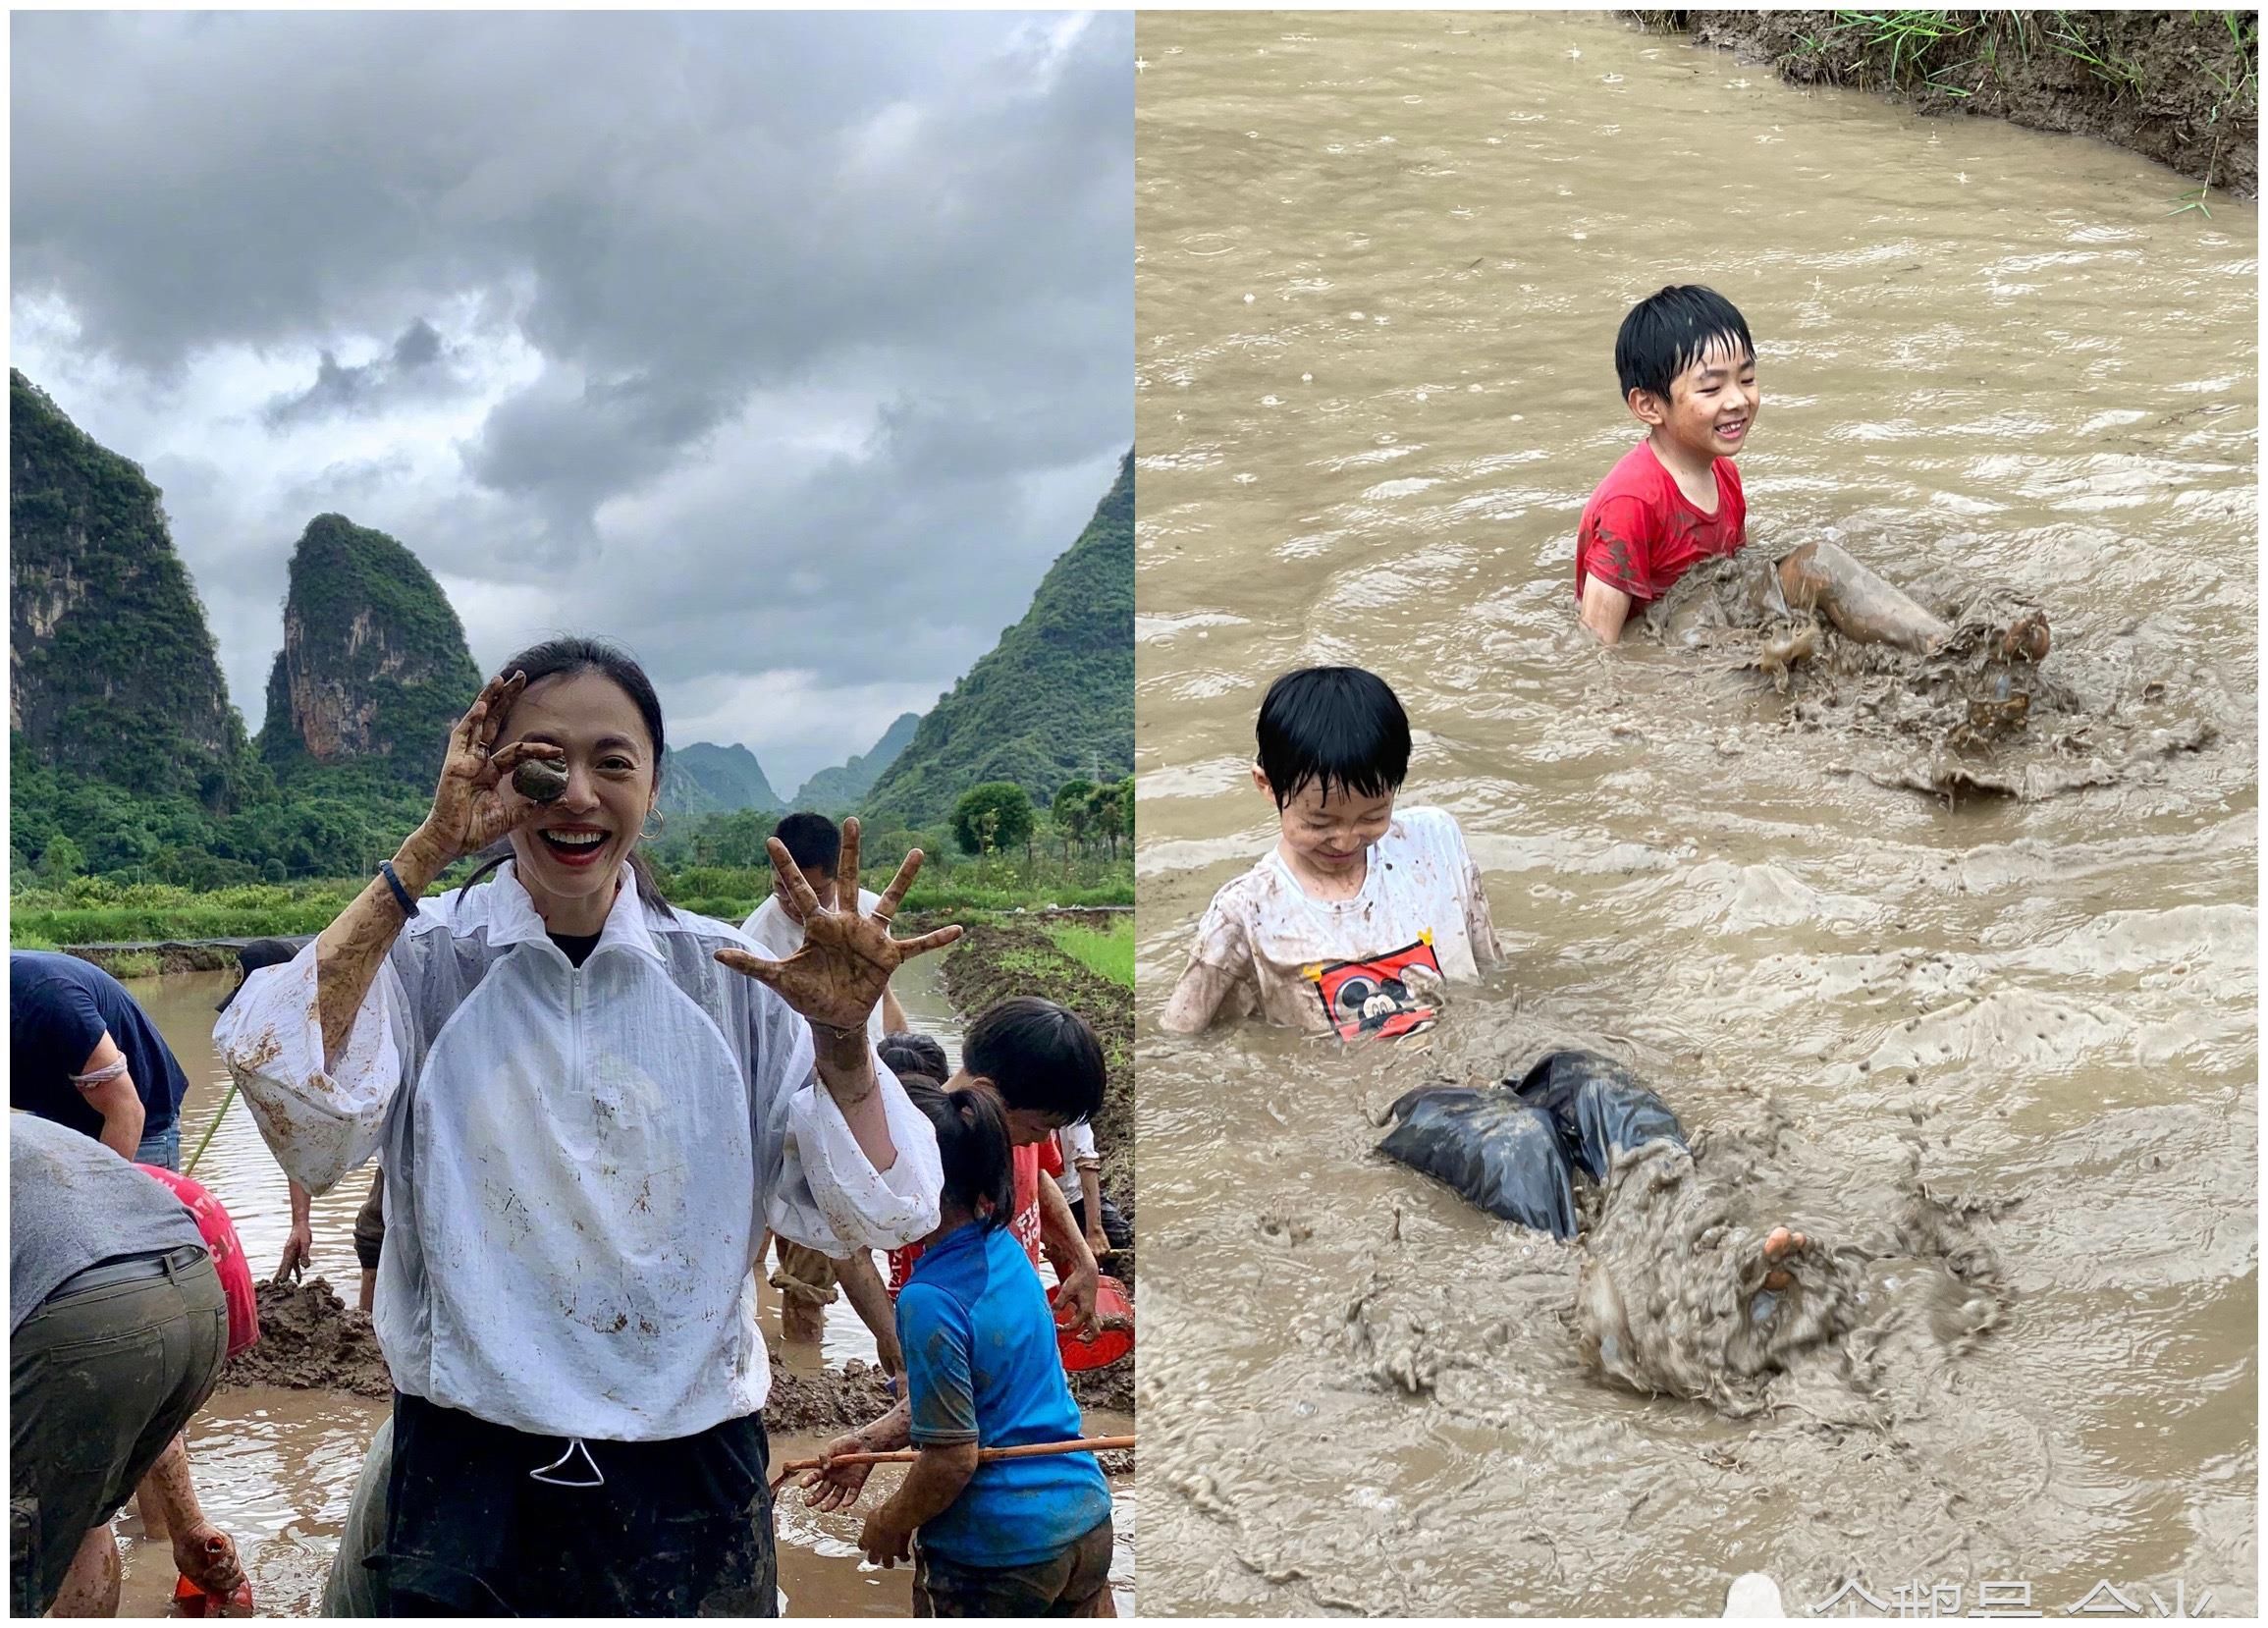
(1688, 370)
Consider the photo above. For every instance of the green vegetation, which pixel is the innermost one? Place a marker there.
(139, 810)
(93, 909)
(705, 779)
(1054, 699)
(375, 656)
(998, 881)
(96, 910)
(993, 818)
(1106, 951)
(2181, 87)
(115, 674)
(841, 790)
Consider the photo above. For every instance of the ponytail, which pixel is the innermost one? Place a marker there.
(972, 1143)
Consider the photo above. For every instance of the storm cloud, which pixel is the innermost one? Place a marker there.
(788, 348)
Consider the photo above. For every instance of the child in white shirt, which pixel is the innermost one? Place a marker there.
(1358, 913)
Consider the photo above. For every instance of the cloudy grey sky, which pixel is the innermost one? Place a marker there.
(788, 348)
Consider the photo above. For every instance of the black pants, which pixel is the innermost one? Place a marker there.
(1064, 1584)
(370, 1224)
(678, 1527)
(1115, 1225)
(1514, 1149)
(102, 1376)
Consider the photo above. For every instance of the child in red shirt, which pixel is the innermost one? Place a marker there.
(1688, 370)
(229, 1263)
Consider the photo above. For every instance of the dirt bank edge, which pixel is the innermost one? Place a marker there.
(2178, 87)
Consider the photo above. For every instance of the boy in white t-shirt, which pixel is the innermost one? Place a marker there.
(1359, 912)
(1353, 921)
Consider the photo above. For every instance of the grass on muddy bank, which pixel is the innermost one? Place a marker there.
(2180, 87)
(100, 910)
(1109, 951)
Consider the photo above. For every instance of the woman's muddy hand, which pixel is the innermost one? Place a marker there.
(844, 964)
(835, 1486)
(473, 806)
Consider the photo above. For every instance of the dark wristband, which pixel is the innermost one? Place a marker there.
(401, 893)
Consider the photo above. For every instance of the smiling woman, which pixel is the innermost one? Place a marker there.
(591, 1106)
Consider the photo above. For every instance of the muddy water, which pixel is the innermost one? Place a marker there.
(1382, 260)
(275, 1468)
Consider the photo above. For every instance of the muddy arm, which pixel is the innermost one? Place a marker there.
(818, 1187)
(201, 1553)
(1197, 997)
(1605, 610)
(1479, 922)
(115, 1096)
(349, 951)
(1067, 1252)
(862, 1286)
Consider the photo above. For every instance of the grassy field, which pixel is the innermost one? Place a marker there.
(96, 910)
(1108, 950)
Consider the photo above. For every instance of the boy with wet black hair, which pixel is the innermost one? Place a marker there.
(1688, 370)
(1353, 894)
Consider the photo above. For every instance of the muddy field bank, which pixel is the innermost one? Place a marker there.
(2180, 87)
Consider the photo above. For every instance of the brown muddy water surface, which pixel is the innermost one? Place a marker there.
(274, 1468)
(1996, 1055)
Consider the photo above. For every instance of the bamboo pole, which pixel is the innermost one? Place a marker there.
(906, 1455)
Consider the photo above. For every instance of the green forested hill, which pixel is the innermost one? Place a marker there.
(708, 779)
(374, 669)
(1054, 700)
(837, 791)
(113, 673)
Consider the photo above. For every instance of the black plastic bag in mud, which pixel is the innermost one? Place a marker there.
(1513, 1147)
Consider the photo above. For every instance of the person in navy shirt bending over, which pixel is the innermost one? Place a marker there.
(82, 1053)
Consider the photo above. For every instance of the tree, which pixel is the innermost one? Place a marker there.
(993, 817)
(61, 860)
(1070, 813)
(1108, 811)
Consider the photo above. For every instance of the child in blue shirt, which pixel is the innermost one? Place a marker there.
(1012, 1538)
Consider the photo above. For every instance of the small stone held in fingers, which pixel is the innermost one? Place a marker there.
(540, 780)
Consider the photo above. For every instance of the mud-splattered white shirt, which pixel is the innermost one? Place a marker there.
(581, 1161)
(1264, 930)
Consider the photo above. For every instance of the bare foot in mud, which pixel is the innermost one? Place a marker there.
(2026, 640)
(1779, 1244)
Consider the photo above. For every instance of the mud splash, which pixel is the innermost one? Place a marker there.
(1972, 718)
